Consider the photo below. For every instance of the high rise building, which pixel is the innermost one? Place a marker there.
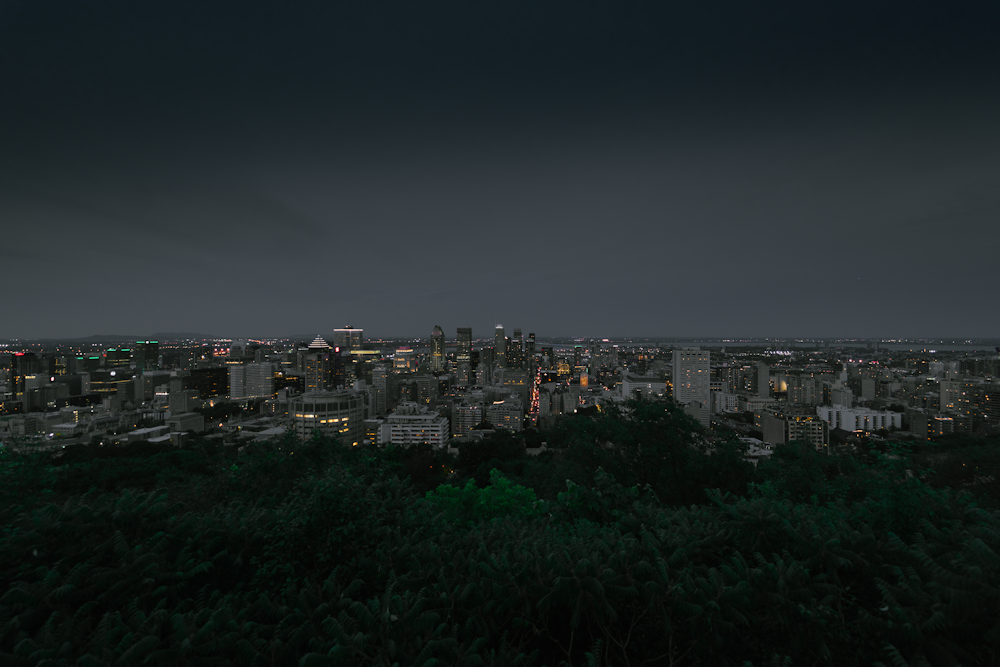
(500, 346)
(210, 382)
(507, 414)
(517, 352)
(762, 379)
(147, 355)
(316, 362)
(23, 365)
(692, 377)
(404, 360)
(466, 416)
(251, 381)
(463, 356)
(484, 369)
(180, 402)
(437, 349)
(463, 348)
(348, 338)
(380, 385)
(118, 357)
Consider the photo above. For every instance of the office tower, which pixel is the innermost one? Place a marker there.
(404, 360)
(180, 402)
(548, 358)
(348, 338)
(518, 344)
(85, 364)
(437, 349)
(463, 356)
(500, 346)
(23, 365)
(380, 384)
(118, 357)
(692, 376)
(147, 355)
(762, 380)
(484, 369)
(463, 348)
(251, 381)
(466, 416)
(237, 352)
(210, 382)
(317, 365)
(507, 415)
(529, 347)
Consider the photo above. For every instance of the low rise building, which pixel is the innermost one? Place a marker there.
(633, 385)
(780, 428)
(859, 419)
(188, 421)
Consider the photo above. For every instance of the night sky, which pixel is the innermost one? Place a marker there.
(666, 169)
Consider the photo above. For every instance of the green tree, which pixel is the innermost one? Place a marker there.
(641, 443)
(499, 499)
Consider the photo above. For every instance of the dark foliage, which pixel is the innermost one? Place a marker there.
(303, 553)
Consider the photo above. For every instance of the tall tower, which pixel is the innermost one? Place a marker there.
(348, 338)
(380, 385)
(463, 356)
(147, 355)
(500, 346)
(437, 349)
(691, 376)
(762, 379)
(518, 342)
(317, 365)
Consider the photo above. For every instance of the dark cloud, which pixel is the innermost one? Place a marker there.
(672, 169)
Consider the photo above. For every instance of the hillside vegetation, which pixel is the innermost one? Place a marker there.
(629, 541)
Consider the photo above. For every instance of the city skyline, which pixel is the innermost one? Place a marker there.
(667, 171)
(483, 340)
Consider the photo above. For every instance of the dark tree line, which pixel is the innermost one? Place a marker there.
(635, 538)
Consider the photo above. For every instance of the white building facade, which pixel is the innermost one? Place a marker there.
(412, 423)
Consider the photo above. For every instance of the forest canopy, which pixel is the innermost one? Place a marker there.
(634, 538)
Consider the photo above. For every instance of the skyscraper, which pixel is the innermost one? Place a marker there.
(437, 349)
(500, 346)
(762, 379)
(117, 357)
(517, 353)
(463, 350)
(692, 382)
(463, 356)
(251, 381)
(147, 355)
(317, 365)
(380, 383)
(348, 338)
